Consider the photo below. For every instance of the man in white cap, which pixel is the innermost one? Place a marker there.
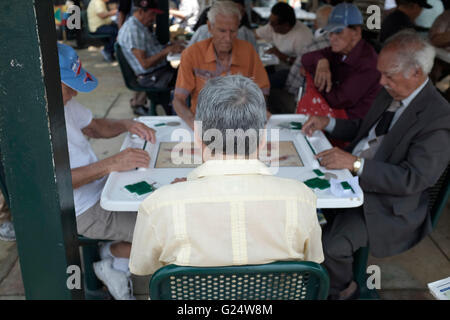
(89, 174)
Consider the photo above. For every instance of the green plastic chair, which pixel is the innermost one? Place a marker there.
(439, 194)
(282, 280)
(155, 95)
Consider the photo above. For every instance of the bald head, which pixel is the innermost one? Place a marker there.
(322, 15)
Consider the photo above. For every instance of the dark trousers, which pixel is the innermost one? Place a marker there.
(111, 30)
(345, 233)
(278, 78)
(169, 76)
(280, 101)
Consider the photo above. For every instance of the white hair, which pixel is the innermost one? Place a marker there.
(226, 8)
(232, 104)
(412, 52)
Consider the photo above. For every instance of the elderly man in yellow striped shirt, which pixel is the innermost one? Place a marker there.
(231, 210)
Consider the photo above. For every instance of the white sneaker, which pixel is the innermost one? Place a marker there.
(118, 283)
(104, 252)
(7, 232)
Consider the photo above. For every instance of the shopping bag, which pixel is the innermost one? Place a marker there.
(312, 103)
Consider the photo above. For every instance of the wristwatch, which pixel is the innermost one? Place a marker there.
(356, 165)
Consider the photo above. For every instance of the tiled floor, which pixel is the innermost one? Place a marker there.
(402, 277)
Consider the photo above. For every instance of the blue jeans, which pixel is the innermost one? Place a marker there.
(111, 30)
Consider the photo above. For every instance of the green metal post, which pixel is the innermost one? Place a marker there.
(34, 149)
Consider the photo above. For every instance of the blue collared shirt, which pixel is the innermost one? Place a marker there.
(134, 35)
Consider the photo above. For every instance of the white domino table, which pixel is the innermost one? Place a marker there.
(116, 198)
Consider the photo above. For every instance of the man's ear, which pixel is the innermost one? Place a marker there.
(418, 73)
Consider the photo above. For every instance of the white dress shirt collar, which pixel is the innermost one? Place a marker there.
(408, 99)
(229, 167)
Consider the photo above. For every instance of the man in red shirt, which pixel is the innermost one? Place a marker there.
(345, 72)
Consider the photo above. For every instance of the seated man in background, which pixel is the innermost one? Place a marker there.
(145, 54)
(399, 150)
(288, 37)
(186, 15)
(402, 17)
(285, 101)
(346, 71)
(203, 17)
(89, 174)
(219, 55)
(99, 21)
(439, 36)
(125, 10)
(244, 33)
(429, 15)
(440, 31)
(231, 210)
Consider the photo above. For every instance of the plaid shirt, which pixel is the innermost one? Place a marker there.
(295, 80)
(134, 35)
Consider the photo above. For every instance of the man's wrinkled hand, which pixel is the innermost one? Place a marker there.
(274, 50)
(315, 123)
(322, 77)
(177, 47)
(129, 159)
(140, 129)
(178, 180)
(336, 158)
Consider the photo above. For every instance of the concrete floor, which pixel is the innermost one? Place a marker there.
(403, 277)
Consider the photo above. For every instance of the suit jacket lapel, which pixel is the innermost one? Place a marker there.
(380, 104)
(406, 121)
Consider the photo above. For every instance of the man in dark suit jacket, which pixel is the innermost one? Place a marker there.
(399, 150)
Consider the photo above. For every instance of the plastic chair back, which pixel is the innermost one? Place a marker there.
(283, 280)
(128, 74)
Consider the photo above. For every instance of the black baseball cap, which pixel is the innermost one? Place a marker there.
(421, 3)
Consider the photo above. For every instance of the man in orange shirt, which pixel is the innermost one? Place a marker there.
(223, 54)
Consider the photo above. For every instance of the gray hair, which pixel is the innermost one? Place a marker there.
(412, 52)
(232, 104)
(226, 8)
(322, 15)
